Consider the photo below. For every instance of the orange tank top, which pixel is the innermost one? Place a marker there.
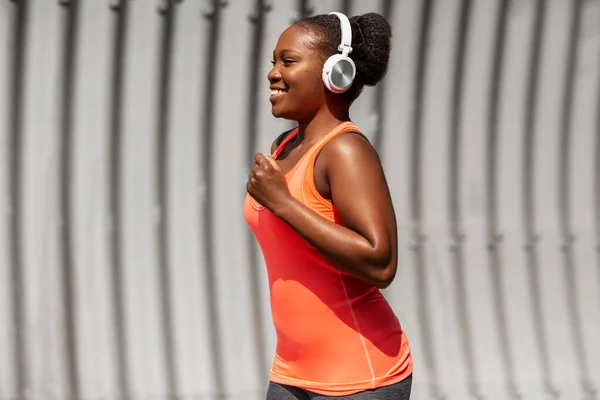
(336, 334)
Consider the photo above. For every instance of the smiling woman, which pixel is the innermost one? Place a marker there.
(321, 211)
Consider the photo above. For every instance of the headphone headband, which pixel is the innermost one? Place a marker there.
(346, 46)
(339, 69)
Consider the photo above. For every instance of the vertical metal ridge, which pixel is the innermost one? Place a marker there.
(564, 190)
(13, 157)
(346, 7)
(531, 236)
(305, 8)
(493, 233)
(68, 77)
(258, 27)
(416, 192)
(208, 133)
(380, 104)
(115, 162)
(167, 13)
(596, 200)
(454, 209)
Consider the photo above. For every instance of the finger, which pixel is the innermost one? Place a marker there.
(250, 185)
(273, 163)
(253, 177)
(258, 157)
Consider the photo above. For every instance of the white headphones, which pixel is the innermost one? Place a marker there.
(339, 69)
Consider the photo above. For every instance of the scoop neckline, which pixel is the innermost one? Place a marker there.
(295, 133)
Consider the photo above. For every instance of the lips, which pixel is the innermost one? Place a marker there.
(277, 92)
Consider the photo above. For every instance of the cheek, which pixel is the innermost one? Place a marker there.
(310, 85)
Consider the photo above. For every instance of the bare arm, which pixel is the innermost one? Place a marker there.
(366, 245)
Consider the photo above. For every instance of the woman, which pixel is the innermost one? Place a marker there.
(321, 211)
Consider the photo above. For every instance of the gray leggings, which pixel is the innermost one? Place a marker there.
(397, 391)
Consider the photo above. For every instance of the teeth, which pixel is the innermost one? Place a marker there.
(276, 92)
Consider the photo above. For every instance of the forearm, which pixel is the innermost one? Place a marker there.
(347, 249)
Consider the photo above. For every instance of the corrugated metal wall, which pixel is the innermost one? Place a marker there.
(126, 130)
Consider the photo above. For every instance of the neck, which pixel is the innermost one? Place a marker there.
(322, 123)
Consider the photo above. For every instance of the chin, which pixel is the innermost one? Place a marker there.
(279, 114)
(290, 113)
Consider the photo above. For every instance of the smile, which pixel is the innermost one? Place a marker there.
(277, 92)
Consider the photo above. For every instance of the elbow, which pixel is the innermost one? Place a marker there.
(385, 278)
(382, 263)
(384, 266)
(385, 274)
(379, 267)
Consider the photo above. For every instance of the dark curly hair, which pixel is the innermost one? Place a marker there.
(371, 34)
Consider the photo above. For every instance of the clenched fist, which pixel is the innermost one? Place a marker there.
(266, 182)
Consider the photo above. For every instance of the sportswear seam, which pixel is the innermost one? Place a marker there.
(378, 379)
(255, 204)
(362, 339)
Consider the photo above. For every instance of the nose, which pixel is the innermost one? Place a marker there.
(274, 75)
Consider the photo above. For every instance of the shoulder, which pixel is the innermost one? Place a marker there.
(349, 147)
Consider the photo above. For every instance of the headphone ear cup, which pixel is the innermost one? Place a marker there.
(338, 73)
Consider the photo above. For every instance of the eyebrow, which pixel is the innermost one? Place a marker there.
(283, 51)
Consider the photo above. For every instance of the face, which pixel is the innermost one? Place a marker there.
(297, 91)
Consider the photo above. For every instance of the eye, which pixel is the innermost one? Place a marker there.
(288, 60)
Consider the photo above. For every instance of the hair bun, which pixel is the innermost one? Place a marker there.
(371, 45)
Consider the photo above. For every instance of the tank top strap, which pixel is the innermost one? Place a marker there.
(307, 179)
(341, 128)
(284, 142)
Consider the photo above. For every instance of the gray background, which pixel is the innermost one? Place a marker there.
(126, 131)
